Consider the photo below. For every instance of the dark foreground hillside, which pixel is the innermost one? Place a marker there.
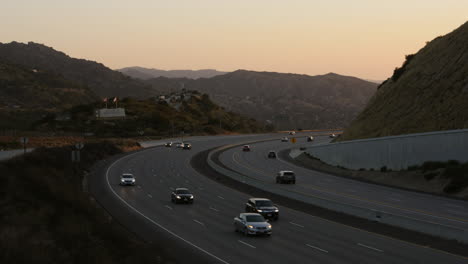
(428, 93)
(46, 218)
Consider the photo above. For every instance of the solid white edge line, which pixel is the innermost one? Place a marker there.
(214, 209)
(369, 247)
(168, 207)
(292, 223)
(317, 248)
(220, 197)
(150, 196)
(247, 244)
(151, 220)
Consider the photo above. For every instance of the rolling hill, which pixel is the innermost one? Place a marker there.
(145, 73)
(101, 80)
(288, 101)
(429, 92)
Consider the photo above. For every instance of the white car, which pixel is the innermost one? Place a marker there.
(127, 179)
(292, 132)
(252, 224)
(284, 139)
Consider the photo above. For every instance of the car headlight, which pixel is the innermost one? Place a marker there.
(191, 197)
(122, 180)
(276, 210)
(177, 196)
(258, 210)
(133, 180)
(250, 226)
(269, 226)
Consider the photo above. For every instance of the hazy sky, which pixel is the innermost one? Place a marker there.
(363, 38)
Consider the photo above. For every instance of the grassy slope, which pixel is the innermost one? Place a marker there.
(45, 218)
(428, 93)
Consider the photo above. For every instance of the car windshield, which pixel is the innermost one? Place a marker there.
(127, 176)
(289, 173)
(182, 192)
(264, 203)
(255, 218)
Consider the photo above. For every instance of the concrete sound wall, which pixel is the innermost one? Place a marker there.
(395, 152)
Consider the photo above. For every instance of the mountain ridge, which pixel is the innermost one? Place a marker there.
(149, 73)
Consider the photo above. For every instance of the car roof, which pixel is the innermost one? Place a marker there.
(283, 171)
(247, 214)
(260, 199)
(272, 151)
(127, 174)
(178, 189)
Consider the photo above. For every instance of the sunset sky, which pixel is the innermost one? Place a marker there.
(363, 38)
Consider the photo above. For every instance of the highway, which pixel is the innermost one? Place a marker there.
(421, 206)
(204, 231)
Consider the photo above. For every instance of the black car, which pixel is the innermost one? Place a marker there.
(168, 144)
(262, 206)
(310, 138)
(187, 146)
(272, 154)
(246, 148)
(286, 177)
(182, 195)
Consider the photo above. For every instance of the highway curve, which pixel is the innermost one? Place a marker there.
(204, 233)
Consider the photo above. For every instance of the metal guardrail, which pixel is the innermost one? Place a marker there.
(393, 219)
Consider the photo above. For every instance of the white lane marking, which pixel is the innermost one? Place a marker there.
(150, 196)
(186, 181)
(292, 223)
(220, 197)
(456, 212)
(139, 187)
(160, 181)
(151, 220)
(200, 188)
(198, 222)
(154, 175)
(351, 190)
(214, 209)
(394, 199)
(168, 207)
(247, 244)
(317, 248)
(369, 247)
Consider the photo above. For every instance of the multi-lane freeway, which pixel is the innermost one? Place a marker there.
(204, 230)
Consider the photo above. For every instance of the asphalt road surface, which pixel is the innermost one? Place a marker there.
(432, 208)
(204, 230)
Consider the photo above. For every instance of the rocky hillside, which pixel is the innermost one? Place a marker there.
(28, 88)
(145, 73)
(103, 81)
(288, 101)
(428, 93)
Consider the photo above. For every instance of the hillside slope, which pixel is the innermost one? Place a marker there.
(101, 80)
(288, 101)
(428, 93)
(145, 73)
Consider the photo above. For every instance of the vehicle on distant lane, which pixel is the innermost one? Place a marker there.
(272, 154)
(246, 148)
(286, 177)
(284, 139)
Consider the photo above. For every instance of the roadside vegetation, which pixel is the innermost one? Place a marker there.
(45, 217)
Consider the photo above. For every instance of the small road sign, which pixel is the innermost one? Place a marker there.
(293, 140)
(24, 140)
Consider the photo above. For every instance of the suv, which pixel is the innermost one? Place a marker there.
(181, 195)
(127, 179)
(286, 177)
(262, 206)
(310, 138)
(246, 148)
(187, 146)
(272, 154)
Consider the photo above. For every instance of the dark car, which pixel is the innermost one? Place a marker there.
(286, 177)
(246, 148)
(187, 146)
(262, 206)
(272, 154)
(168, 144)
(310, 138)
(332, 136)
(182, 195)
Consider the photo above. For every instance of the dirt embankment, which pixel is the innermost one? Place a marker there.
(45, 217)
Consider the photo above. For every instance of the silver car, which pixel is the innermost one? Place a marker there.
(127, 179)
(252, 224)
